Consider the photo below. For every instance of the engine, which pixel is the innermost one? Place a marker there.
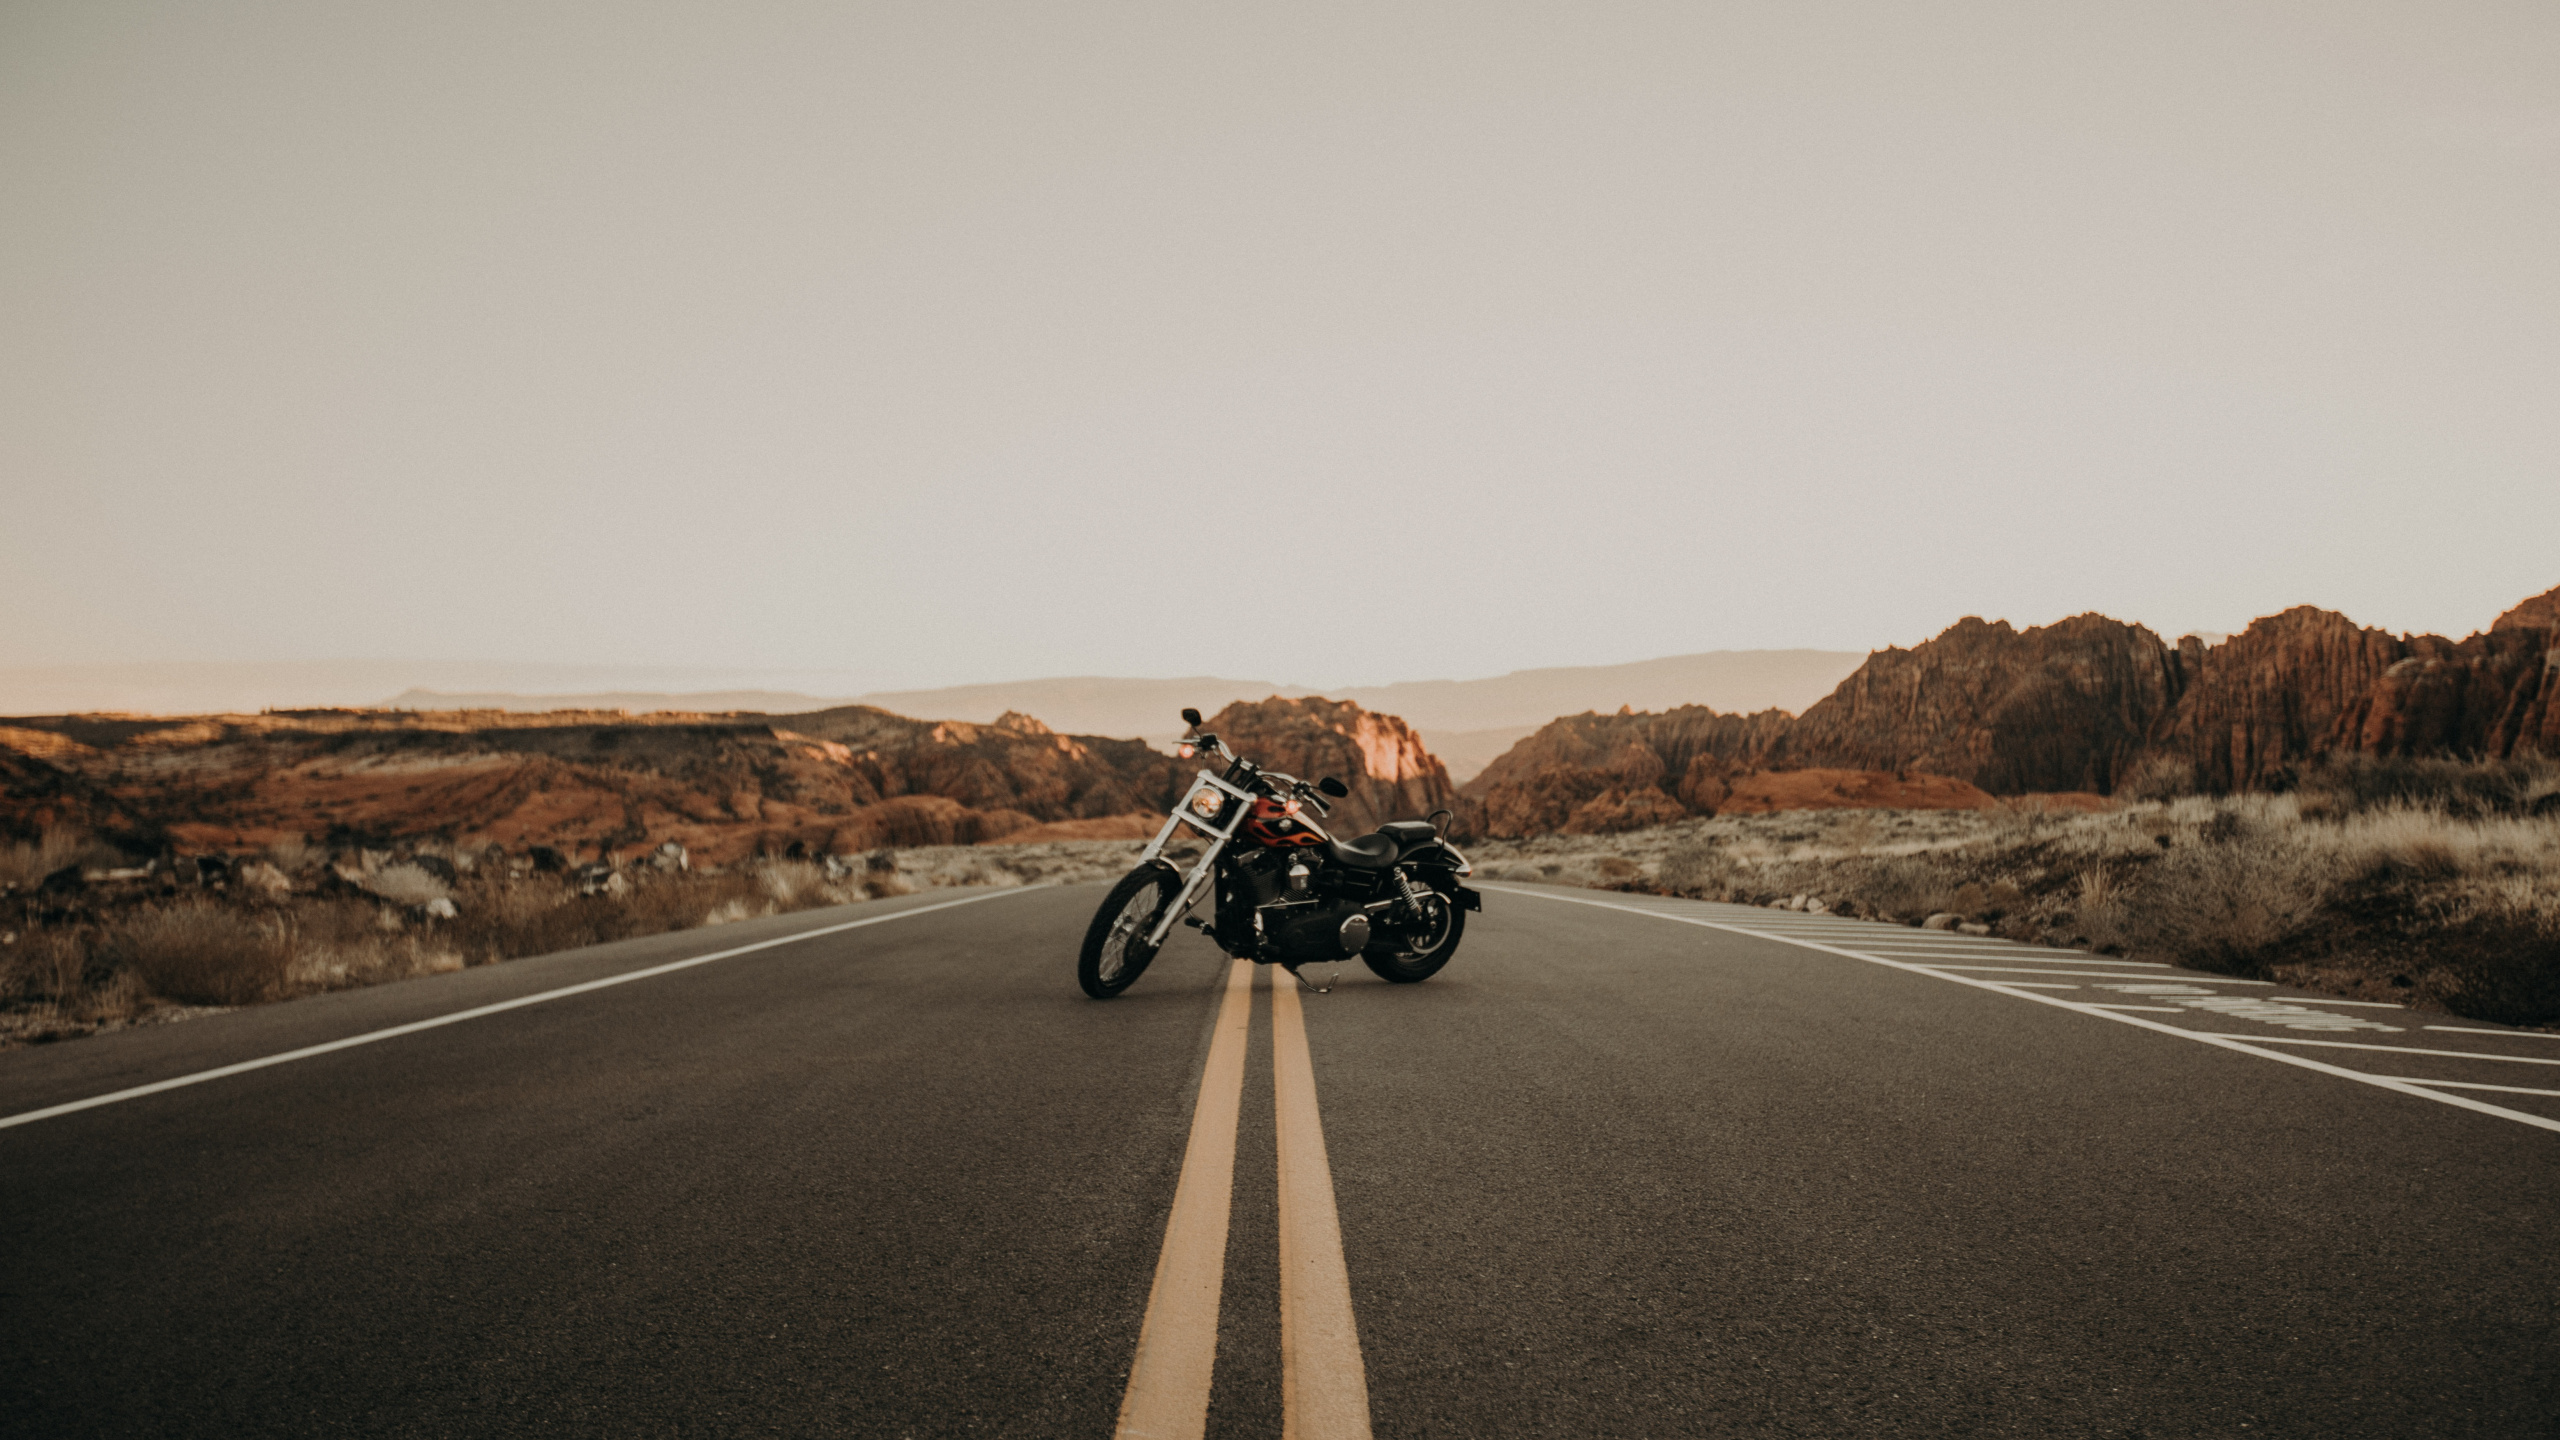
(1280, 905)
(1315, 930)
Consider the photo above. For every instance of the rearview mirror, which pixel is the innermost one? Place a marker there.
(1333, 787)
(1190, 716)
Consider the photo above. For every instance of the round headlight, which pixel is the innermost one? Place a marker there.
(1207, 804)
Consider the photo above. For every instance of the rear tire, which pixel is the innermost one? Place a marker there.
(1413, 965)
(1116, 951)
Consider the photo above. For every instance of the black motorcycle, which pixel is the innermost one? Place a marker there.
(1288, 893)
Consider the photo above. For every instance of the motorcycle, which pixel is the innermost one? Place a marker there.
(1288, 893)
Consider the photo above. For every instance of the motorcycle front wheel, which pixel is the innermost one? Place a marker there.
(1116, 951)
(1420, 957)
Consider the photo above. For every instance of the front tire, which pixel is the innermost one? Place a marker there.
(1419, 957)
(1116, 951)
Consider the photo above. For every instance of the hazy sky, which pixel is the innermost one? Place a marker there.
(943, 342)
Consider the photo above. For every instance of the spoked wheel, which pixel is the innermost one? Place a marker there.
(1116, 951)
(1418, 955)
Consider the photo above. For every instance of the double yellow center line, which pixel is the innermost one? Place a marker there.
(1324, 1390)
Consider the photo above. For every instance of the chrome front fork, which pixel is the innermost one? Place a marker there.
(1192, 885)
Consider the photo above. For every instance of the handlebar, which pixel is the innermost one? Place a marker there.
(1301, 790)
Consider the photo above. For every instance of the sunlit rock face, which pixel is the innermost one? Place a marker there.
(1378, 757)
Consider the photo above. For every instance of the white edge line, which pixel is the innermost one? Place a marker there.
(2475, 1030)
(2405, 1050)
(414, 1026)
(2379, 1082)
(2083, 974)
(2473, 1085)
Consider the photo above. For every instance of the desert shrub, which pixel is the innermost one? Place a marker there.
(788, 880)
(2347, 785)
(408, 885)
(1906, 885)
(25, 863)
(2496, 954)
(2403, 843)
(2098, 906)
(2229, 903)
(202, 952)
(47, 966)
(2160, 777)
(1985, 899)
(295, 855)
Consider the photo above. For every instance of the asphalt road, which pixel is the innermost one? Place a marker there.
(1614, 1173)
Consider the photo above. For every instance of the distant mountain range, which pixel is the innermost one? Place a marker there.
(1464, 722)
(232, 687)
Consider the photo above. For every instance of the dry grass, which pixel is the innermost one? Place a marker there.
(199, 951)
(25, 864)
(2428, 883)
(146, 957)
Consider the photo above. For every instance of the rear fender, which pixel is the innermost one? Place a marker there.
(1437, 865)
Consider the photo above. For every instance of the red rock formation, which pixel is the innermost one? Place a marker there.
(1595, 774)
(844, 779)
(2074, 707)
(2542, 612)
(2306, 683)
(1378, 757)
(2062, 707)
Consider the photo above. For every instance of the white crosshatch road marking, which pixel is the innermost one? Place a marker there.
(2250, 1007)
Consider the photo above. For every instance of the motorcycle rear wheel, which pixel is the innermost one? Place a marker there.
(1414, 964)
(1116, 951)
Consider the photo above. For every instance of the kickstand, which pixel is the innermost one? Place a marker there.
(1311, 987)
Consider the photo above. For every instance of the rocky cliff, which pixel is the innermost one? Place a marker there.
(1596, 774)
(2065, 707)
(2077, 707)
(2307, 683)
(2542, 612)
(1378, 757)
(845, 779)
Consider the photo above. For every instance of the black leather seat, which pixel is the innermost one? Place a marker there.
(1369, 852)
(1378, 851)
